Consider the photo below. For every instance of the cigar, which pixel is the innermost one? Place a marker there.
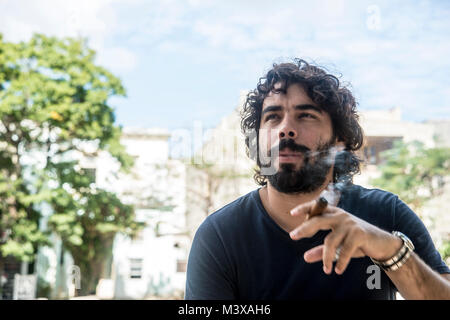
(318, 207)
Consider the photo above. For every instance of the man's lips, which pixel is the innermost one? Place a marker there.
(289, 156)
(289, 152)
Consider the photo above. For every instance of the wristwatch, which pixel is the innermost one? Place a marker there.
(400, 257)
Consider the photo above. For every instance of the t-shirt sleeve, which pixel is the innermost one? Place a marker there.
(407, 222)
(208, 274)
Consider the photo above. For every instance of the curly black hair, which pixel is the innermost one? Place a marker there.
(328, 93)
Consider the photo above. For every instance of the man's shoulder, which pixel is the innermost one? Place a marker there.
(373, 195)
(375, 206)
(236, 207)
(230, 216)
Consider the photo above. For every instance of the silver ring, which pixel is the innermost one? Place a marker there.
(338, 252)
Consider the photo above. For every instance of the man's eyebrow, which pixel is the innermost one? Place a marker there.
(308, 107)
(297, 107)
(271, 108)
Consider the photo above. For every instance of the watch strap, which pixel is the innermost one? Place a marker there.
(399, 259)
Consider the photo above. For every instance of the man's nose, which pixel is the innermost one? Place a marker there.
(287, 131)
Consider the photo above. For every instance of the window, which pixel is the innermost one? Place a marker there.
(136, 268)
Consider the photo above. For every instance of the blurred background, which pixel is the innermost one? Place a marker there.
(119, 126)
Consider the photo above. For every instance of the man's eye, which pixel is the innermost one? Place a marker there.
(271, 116)
(307, 115)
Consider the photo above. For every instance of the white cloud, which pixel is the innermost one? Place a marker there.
(94, 19)
(53, 17)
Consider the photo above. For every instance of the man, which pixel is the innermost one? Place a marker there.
(267, 244)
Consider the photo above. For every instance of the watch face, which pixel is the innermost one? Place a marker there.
(407, 241)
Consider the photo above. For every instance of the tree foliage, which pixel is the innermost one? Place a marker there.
(54, 111)
(414, 172)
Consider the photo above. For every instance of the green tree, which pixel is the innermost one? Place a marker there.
(417, 174)
(53, 111)
(414, 172)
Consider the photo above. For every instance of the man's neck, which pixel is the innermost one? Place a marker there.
(278, 205)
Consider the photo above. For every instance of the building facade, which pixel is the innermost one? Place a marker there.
(154, 263)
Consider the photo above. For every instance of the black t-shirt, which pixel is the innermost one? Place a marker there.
(239, 252)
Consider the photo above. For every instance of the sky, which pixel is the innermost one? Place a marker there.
(188, 61)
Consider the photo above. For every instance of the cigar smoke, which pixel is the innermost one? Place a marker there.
(342, 160)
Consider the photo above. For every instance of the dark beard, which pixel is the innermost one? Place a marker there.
(309, 177)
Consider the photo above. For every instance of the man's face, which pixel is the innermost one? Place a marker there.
(302, 133)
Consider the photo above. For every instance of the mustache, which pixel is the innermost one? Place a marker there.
(290, 144)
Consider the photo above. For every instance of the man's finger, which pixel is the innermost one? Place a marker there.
(314, 254)
(309, 228)
(331, 243)
(303, 209)
(344, 259)
(346, 253)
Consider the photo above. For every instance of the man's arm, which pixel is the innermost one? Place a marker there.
(357, 238)
(416, 280)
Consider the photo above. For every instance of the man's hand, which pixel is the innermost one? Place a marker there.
(355, 237)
